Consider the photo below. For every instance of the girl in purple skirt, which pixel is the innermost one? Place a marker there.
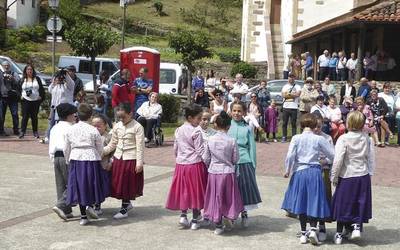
(353, 165)
(83, 149)
(222, 198)
(190, 177)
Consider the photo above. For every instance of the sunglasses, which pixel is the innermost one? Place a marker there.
(217, 94)
(253, 96)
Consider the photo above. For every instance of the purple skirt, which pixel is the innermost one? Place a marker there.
(88, 183)
(352, 201)
(222, 198)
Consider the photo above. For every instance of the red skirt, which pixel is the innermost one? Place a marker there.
(188, 187)
(126, 183)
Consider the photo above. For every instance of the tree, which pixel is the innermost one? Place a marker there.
(192, 46)
(70, 12)
(90, 40)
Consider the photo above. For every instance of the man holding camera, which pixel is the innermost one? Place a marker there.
(10, 89)
(62, 91)
(78, 82)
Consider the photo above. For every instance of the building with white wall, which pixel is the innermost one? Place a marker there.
(22, 13)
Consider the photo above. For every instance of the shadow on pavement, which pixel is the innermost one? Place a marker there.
(373, 236)
(261, 224)
(137, 214)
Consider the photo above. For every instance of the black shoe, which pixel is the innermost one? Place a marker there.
(36, 135)
(21, 135)
(16, 132)
(3, 133)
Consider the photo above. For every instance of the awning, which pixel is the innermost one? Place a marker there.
(377, 12)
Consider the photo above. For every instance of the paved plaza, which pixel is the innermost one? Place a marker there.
(27, 193)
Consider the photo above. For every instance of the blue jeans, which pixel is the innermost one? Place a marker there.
(52, 121)
(13, 105)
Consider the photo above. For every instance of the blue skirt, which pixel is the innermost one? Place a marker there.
(306, 194)
(88, 183)
(246, 177)
(352, 201)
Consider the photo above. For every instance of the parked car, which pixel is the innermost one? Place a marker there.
(19, 68)
(83, 66)
(171, 75)
(275, 89)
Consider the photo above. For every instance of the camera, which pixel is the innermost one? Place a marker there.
(61, 74)
(28, 92)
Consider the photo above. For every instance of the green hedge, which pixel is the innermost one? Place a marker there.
(246, 69)
(171, 108)
(231, 56)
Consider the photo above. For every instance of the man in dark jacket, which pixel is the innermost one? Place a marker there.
(347, 90)
(10, 95)
(78, 82)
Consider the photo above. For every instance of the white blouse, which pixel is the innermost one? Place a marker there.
(33, 88)
(83, 142)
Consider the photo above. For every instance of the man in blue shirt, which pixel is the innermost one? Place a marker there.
(364, 88)
(143, 87)
(309, 65)
(198, 82)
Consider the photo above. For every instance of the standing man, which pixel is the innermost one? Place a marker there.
(290, 93)
(66, 113)
(78, 82)
(341, 67)
(351, 66)
(121, 91)
(10, 95)
(143, 87)
(239, 87)
(323, 65)
(309, 65)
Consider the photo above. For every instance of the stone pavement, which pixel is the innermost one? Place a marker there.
(27, 192)
(270, 158)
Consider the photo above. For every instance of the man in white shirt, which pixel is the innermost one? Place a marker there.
(323, 65)
(351, 65)
(341, 67)
(66, 113)
(240, 88)
(290, 93)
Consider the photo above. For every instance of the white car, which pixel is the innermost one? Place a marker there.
(171, 75)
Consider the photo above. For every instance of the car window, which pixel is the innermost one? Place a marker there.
(85, 67)
(167, 76)
(109, 67)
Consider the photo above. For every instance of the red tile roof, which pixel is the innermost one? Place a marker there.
(387, 11)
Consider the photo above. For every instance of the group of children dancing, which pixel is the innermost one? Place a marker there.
(308, 195)
(92, 164)
(215, 170)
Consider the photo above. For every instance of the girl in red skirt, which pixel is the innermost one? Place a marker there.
(190, 177)
(127, 168)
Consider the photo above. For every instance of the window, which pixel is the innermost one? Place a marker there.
(85, 67)
(33, 3)
(167, 76)
(109, 67)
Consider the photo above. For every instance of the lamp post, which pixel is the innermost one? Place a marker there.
(53, 4)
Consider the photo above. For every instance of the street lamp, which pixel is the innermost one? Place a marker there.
(53, 4)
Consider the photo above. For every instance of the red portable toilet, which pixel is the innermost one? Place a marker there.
(135, 58)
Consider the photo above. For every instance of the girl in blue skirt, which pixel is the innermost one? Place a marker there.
(354, 164)
(246, 166)
(306, 195)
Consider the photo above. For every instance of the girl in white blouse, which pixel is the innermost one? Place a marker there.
(83, 149)
(353, 165)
